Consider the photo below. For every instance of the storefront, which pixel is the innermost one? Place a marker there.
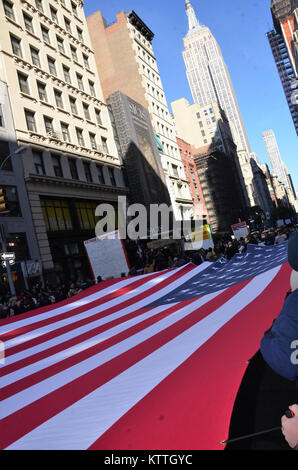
(69, 223)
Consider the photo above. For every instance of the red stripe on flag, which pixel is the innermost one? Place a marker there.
(28, 418)
(192, 407)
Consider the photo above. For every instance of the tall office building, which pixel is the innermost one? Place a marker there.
(125, 58)
(210, 81)
(282, 43)
(71, 163)
(274, 156)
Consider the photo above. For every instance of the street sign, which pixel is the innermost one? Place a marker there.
(11, 262)
(8, 256)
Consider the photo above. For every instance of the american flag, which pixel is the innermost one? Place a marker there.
(147, 362)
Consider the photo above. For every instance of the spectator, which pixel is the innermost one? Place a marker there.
(280, 237)
(276, 343)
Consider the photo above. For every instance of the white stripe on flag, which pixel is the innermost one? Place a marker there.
(81, 424)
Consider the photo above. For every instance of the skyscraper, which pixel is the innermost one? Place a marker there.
(208, 76)
(274, 156)
(210, 82)
(281, 40)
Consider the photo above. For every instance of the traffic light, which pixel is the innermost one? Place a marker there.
(3, 201)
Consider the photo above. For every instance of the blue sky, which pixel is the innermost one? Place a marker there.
(240, 29)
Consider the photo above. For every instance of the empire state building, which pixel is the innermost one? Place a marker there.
(208, 76)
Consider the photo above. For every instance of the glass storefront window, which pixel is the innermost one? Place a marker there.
(86, 214)
(56, 214)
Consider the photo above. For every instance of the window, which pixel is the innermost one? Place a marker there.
(66, 74)
(93, 141)
(60, 44)
(73, 105)
(86, 61)
(28, 22)
(42, 91)
(56, 214)
(1, 117)
(73, 168)
(35, 56)
(48, 123)
(80, 34)
(8, 10)
(87, 171)
(67, 24)
(104, 144)
(112, 176)
(80, 137)
(45, 34)
(98, 116)
(16, 46)
(175, 171)
(56, 160)
(92, 88)
(30, 120)
(58, 98)
(54, 14)
(52, 66)
(86, 111)
(73, 53)
(198, 115)
(86, 214)
(203, 133)
(38, 4)
(74, 8)
(38, 162)
(65, 132)
(80, 81)
(100, 174)
(4, 152)
(23, 83)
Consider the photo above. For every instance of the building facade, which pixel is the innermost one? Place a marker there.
(138, 151)
(221, 189)
(193, 179)
(127, 63)
(283, 47)
(207, 127)
(17, 222)
(71, 163)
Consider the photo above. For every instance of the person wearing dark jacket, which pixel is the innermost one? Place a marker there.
(279, 344)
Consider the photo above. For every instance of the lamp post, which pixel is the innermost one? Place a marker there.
(2, 229)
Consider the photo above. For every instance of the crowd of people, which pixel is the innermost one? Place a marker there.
(38, 296)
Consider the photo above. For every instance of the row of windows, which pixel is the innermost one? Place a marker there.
(99, 177)
(51, 64)
(52, 13)
(65, 134)
(42, 90)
